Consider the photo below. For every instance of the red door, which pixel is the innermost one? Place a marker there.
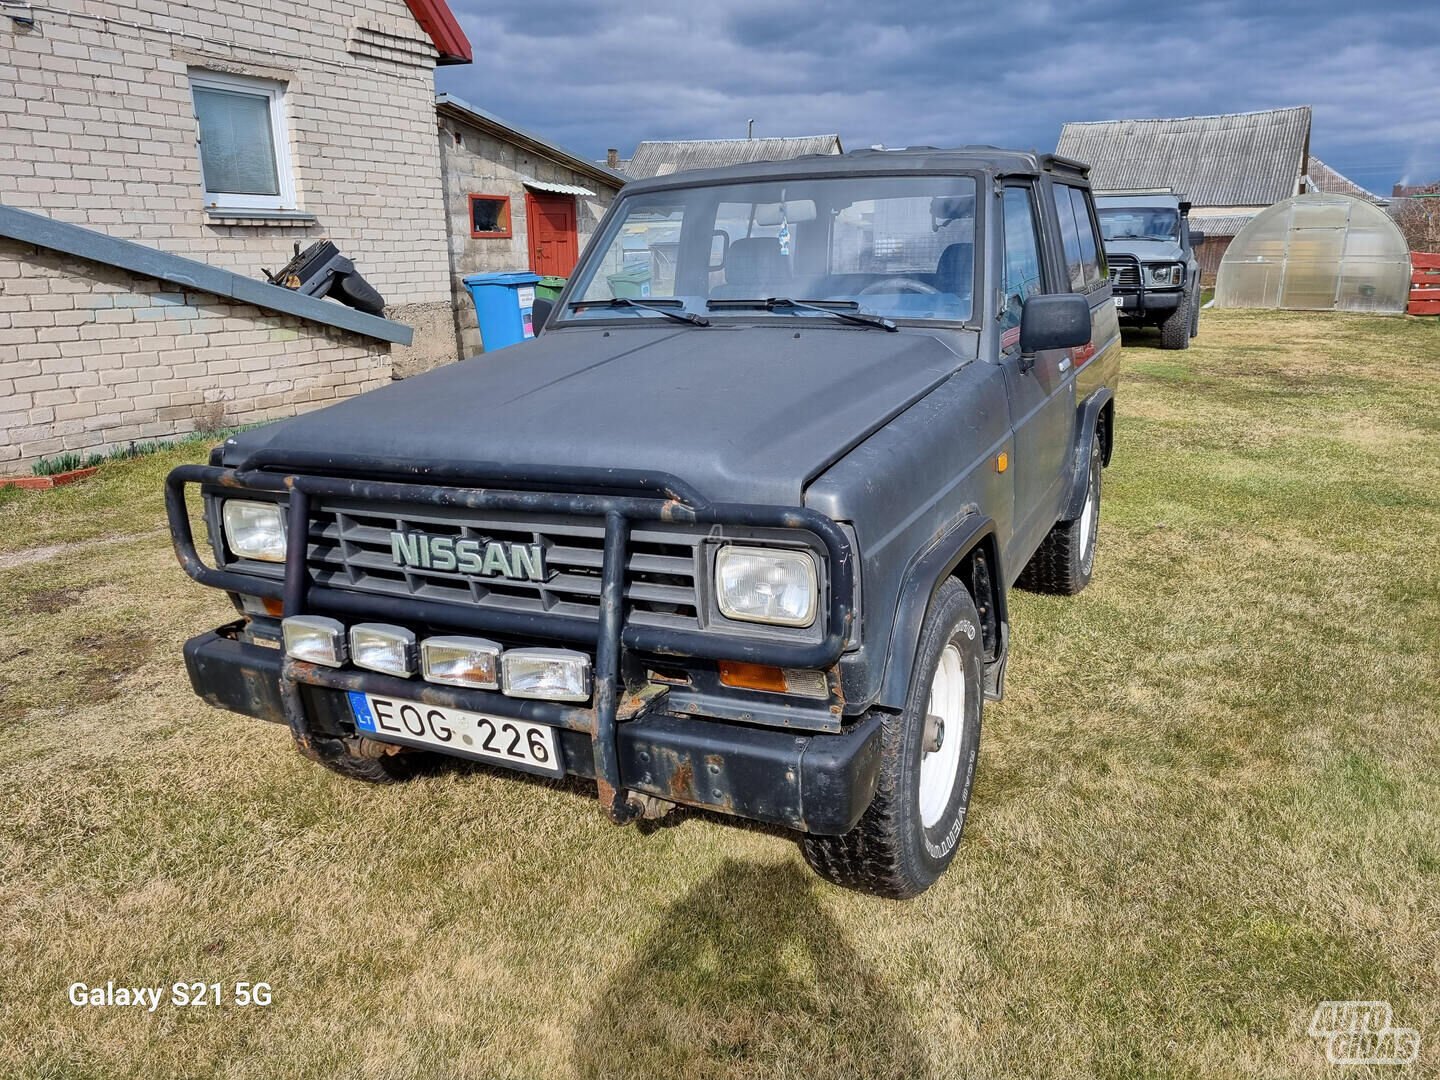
(554, 242)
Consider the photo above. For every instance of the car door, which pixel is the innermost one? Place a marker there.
(1040, 389)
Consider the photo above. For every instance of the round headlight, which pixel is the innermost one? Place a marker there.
(767, 585)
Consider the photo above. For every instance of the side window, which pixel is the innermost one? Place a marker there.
(1022, 255)
(1092, 255)
(1070, 237)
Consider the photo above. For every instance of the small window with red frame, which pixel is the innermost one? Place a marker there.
(490, 216)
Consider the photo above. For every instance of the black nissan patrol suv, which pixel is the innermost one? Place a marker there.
(735, 531)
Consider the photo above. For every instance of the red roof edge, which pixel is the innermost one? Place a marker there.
(439, 22)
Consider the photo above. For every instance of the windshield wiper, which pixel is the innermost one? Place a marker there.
(660, 307)
(840, 309)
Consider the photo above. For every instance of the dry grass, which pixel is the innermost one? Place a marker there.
(1209, 803)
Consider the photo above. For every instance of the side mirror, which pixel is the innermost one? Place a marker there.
(540, 312)
(1057, 321)
(1196, 237)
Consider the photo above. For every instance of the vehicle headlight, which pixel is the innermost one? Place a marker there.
(255, 530)
(767, 585)
(1164, 274)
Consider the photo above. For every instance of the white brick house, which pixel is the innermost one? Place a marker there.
(222, 131)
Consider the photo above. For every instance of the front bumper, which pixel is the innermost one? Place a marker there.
(817, 783)
(1143, 303)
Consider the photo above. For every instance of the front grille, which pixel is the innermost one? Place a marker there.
(350, 549)
(1124, 272)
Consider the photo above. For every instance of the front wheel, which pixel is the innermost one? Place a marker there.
(365, 759)
(907, 836)
(1175, 330)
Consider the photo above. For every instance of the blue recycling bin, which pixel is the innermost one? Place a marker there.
(504, 305)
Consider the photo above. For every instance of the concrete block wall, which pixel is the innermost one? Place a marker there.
(479, 163)
(93, 357)
(97, 127)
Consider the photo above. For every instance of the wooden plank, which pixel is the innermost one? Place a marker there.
(1427, 260)
(1424, 307)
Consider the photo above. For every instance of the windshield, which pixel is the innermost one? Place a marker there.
(1139, 223)
(902, 247)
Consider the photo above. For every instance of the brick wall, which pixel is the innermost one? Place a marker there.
(97, 127)
(479, 163)
(93, 357)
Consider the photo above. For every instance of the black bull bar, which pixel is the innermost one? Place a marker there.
(662, 499)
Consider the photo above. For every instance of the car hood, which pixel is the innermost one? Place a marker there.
(1147, 250)
(740, 414)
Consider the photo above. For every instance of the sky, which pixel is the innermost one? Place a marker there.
(590, 76)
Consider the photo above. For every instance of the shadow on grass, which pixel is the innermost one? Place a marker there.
(748, 976)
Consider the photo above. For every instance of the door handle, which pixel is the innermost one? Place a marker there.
(1064, 364)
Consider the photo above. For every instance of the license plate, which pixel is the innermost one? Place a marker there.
(1119, 301)
(498, 739)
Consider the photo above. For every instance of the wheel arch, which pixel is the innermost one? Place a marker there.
(1096, 420)
(967, 551)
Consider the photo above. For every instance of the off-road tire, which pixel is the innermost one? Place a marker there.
(1175, 330)
(345, 757)
(1065, 559)
(889, 852)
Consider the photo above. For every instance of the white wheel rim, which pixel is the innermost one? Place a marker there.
(1087, 522)
(939, 768)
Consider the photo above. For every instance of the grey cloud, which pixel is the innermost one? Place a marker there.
(593, 76)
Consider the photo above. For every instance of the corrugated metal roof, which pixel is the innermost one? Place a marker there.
(1328, 180)
(558, 189)
(660, 158)
(1234, 159)
(1221, 224)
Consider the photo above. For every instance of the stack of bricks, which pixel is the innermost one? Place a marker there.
(93, 357)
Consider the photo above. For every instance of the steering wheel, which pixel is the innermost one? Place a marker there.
(898, 284)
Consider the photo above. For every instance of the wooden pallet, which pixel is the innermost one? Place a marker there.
(1424, 283)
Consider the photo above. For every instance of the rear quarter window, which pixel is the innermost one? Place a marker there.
(1084, 255)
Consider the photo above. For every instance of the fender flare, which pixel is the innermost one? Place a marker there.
(1087, 424)
(922, 578)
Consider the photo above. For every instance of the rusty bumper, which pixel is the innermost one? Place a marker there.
(817, 783)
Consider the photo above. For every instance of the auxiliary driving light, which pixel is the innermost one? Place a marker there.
(384, 648)
(461, 661)
(550, 674)
(314, 639)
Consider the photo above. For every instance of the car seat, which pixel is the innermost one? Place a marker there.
(754, 270)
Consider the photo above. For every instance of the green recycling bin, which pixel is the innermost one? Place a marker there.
(633, 284)
(549, 287)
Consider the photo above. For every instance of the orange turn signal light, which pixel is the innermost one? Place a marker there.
(1002, 461)
(273, 607)
(753, 676)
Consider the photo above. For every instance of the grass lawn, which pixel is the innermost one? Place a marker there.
(1210, 801)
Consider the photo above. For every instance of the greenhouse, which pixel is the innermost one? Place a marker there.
(1317, 252)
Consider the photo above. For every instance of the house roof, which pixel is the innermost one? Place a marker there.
(439, 22)
(662, 157)
(1233, 159)
(458, 109)
(98, 247)
(1328, 180)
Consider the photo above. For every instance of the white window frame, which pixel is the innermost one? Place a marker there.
(279, 134)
